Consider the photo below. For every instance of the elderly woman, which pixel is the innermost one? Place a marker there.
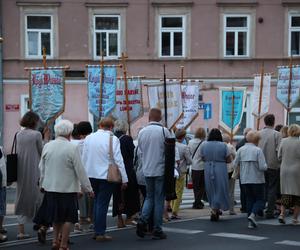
(289, 154)
(126, 201)
(251, 161)
(28, 195)
(62, 173)
(216, 155)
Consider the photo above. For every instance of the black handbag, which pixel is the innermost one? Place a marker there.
(12, 162)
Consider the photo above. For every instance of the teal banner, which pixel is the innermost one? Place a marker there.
(47, 93)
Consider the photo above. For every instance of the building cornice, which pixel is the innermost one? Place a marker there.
(106, 4)
(290, 2)
(172, 4)
(41, 3)
(236, 3)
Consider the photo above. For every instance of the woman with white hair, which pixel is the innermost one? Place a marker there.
(62, 173)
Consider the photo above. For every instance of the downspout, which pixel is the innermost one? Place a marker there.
(1, 79)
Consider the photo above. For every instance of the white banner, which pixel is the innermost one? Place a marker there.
(174, 102)
(190, 95)
(265, 98)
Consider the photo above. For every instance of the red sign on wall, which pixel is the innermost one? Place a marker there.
(12, 107)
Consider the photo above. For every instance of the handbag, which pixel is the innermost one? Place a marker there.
(12, 163)
(113, 173)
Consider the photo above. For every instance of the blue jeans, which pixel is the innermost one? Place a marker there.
(154, 201)
(254, 197)
(103, 192)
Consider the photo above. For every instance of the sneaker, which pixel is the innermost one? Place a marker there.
(159, 236)
(281, 219)
(252, 220)
(250, 225)
(102, 238)
(141, 229)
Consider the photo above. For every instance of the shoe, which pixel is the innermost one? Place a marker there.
(250, 225)
(281, 219)
(219, 212)
(23, 236)
(159, 236)
(3, 231)
(175, 217)
(214, 217)
(3, 238)
(252, 220)
(141, 229)
(295, 222)
(102, 238)
(42, 235)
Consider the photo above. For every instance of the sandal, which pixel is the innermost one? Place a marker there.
(42, 235)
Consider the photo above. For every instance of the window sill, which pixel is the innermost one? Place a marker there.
(237, 57)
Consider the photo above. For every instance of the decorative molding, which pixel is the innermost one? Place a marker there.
(290, 2)
(39, 4)
(106, 4)
(172, 4)
(236, 3)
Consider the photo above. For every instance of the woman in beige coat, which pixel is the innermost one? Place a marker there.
(289, 154)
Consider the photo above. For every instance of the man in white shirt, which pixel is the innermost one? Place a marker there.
(95, 155)
(151, 144)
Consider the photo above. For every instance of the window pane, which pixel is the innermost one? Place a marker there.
(242, 43)
(46, 43)
(38, 22)
(229, 43)
(177, 43)
(296, 21)
(107, 23)
(236, 22)
(295, 48)
(113, 44)
(101, 44)
(165, 44)
(171, 22)
(32, 43)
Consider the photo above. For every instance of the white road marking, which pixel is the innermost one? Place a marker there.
(181, 231)
(289, 243)
(240, 236)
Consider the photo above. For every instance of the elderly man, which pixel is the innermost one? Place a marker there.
(151, 144)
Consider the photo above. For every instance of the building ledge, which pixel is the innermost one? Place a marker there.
(41, 3)
(226, 3)
(106, 4)
(290, 2)
(172, 4)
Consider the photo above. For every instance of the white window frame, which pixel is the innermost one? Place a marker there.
(236, 30)
(118, 32)
(172, 31)
(40, 55)
(292, 29)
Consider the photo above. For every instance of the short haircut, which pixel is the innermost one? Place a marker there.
(200, 133)
(269, 120)
(278, 127)
(294, 130)
(106, 123)
(284, 131)
(84, 128)
(253, 137)
(215, 135)
(246, 130)
(75, 133)
(180, 134)
(155, 115)
(226, 138)
(121, 126)
(30, 120)
(63, 128)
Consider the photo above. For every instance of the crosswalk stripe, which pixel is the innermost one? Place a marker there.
(181, 231)
(288, 243)
(240, 236)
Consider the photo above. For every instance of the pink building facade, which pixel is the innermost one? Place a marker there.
(220, 42)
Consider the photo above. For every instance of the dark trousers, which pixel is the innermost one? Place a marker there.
(254, 197)
(103, 192)
(198, 187)
(272, 177)
(243, 197)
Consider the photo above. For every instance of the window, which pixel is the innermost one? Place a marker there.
(107, 36)
(172, 36)
(236, 36)
(38, 35)
(294, 35)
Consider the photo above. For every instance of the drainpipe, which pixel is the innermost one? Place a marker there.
(1, 79)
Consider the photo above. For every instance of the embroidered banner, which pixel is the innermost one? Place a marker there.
(47, 93)
(265, 98)
(134, 99)
(108, 90)
(174, 102)
(283, 86)
(231, 112)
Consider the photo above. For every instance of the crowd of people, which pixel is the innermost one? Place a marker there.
(64, 182)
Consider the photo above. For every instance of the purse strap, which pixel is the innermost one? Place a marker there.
(196, 149)
(14, 145)
(111, 148)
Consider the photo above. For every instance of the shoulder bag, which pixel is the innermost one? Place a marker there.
(113, 173)
(12, 162)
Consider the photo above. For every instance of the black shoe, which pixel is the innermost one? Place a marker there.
(141, 229)
(159, 235)
(41, 235)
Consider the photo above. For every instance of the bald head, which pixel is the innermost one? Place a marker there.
(155, 115)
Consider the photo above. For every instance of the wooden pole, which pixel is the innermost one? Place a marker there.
(289, 91)
(101, 84)
(165, 97)
(232, 115)
(44, 58)
(181, 74)
(260, 95)
(123, 58)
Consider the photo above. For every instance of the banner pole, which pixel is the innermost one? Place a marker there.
(289, 91)
(260, 95)
(165, 97)
(44, 58)
(101, 84)
(232, 115)
(181, 74)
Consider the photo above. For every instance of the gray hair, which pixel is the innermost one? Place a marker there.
(121, 125)
(63, 128)
(246, 130)
(226, 138)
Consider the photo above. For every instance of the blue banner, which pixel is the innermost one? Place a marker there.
(232, 108)
(47, 93)
(108, 90)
